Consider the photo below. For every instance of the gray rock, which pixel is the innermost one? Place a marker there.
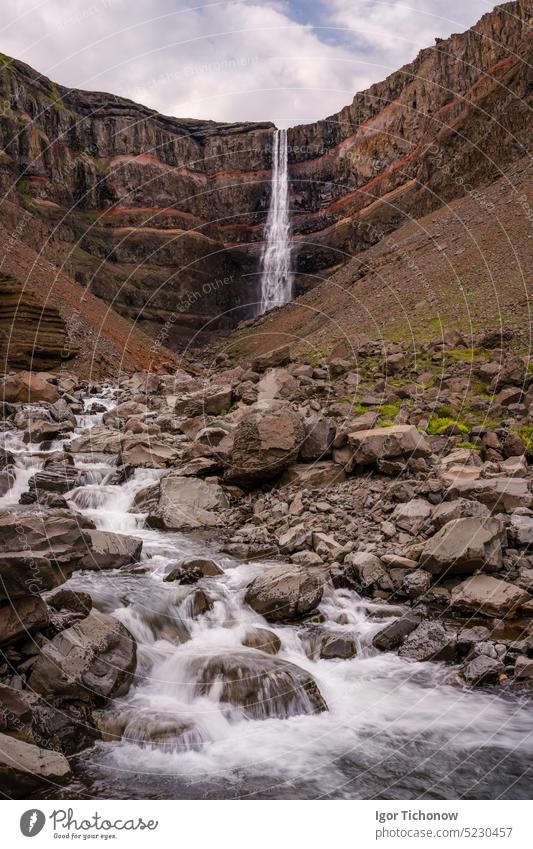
(394, 633)
(460, 508)
(499, 494)
(487, 595)
(186, 504)
(482, 670)
(111, 551)
(284, 592)
(429, 641)
(399, 441)
(464, 545)
(25, 768)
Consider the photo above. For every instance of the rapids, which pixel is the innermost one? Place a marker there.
(393, 729)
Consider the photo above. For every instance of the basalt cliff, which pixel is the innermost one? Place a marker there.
(161, 220)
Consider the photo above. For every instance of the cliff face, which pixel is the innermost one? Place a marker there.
(163, 218)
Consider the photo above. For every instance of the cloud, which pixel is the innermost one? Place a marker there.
(242, 60)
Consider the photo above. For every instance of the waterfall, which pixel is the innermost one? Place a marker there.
(276, 277)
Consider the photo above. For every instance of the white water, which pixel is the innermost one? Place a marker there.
(393, 729)
(276, 276)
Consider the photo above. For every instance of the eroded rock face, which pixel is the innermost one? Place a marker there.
(464, 545)
(284, 592)
(266, 441)
(258, 686)
(92, 661)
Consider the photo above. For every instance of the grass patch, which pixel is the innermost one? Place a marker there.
(388, 411)
(438, 425)
(470, 445)
(526, 435)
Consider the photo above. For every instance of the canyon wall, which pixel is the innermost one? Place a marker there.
(163, 218)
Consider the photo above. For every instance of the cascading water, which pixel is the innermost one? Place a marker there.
(210, 716)
(276, 276)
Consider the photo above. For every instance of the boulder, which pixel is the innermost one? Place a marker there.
(483, 670)
(460, 508)
(271, 359)
(72, 600)
(111, 551)
(186, 504)
(395, 632)
(258, 686)
(119, 415)
(370, 447)
(318, 442)
(463, 546)
(295, 539)
(262, 639)
(429, 641)
(39, 549)
(92, 661)
(27, 387)
(97, 440)
(521, 529)
(366, 569)
(498, 494)
(284, 592)
(277, 383)
(411, 515)
(209, 401)
(487, 595)
(320, 475)
(25, 768)
(146, 452)
(267, 440)
(22, 616)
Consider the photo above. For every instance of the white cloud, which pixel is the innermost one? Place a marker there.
(229, 61)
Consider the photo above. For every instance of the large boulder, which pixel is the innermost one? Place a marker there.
(411, 515)
(186, 504)
(266, 441)
(370, 447)
(92, 661)
(25, 768)
(277, 383)
(319, 440)
(97, 440)
(146, 452)
(284, 592)
(257, 685)
(521, 529)
(463, 546)
(39, 549)
(320, 475)
(498, 494)
(27, 387)
(488, 595)
(111, 551)
(271, 359)
(460, 508)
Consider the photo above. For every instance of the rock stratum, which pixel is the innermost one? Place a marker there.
(110, 205)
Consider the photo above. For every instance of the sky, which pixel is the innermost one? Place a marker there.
(286, 61)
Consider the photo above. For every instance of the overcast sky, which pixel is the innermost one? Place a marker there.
(287, 61)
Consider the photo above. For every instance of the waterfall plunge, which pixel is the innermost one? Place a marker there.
(276, 277)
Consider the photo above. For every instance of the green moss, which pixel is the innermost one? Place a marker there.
(471, 445)
(439, 424)
(385, 423)
(358, 408)
(388, 411)
(55, 97)
(526, 435)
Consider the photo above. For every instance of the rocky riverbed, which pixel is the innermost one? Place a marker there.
(273, 579)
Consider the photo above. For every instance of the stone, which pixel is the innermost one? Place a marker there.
(39, 549)
(271, 359)
(511, 373)
(277, 383)
(326, 546)
(338, 646)
(395, 632)
(28, 387)
(92, 661)
(319, 475)
(208, 401)
(146, 453)
(464, 545)
(523, 668)
(521, 529)
(97, 440)
(40, 430)
(498, 494)
(367, 569)
(262, 639)
(411, 515)
(186, 504)
(25, 768)
(398, 441)
(111, 551)
(295, 539)
(267, 440)
(416, 583)
(460, 508)
(482, 670)
(319, 439)
(284, 592)
(207, 567)
(489, 596)
(429, 641)
(20, 617)
(258, 686)
(73, 600)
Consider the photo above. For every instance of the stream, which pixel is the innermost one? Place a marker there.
(393, 729)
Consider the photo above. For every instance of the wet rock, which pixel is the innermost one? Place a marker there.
(146, 453)
(523, 668)
(197, 603)
(39, 430)
(97, 440)
(73, 600)
(464, 545)
(482, 670)
(468, 637)
(489, 596)
(25, 768)
(364, 569)
(258, 686)
(111, 551)
(187, 503)
(262, 639)
(284, 592)
(395, 632)
(39, 549)
(266, 441)
(207, 567)
(338, 646)
(89, 662)
(184, 575)
(22, 616)
(429, 641)
(369, 447)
